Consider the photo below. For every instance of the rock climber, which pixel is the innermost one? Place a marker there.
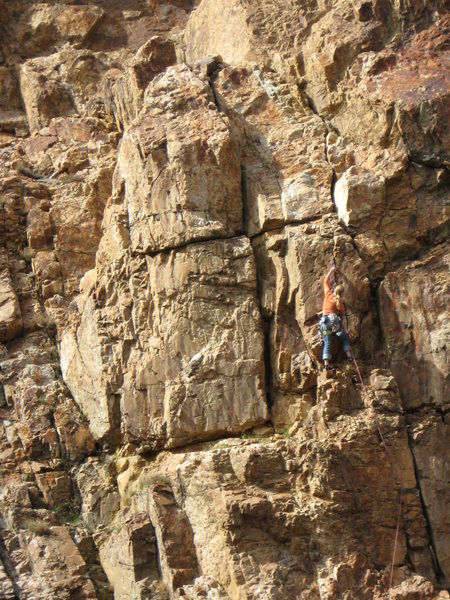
(333, 310)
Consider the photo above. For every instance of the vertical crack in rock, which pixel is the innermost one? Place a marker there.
(10, 589)
(409, 339)
(176, 550)
(332, 187)
(245, 215)
(268, 364)
(435, 560)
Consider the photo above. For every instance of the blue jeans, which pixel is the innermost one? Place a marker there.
(326, 354)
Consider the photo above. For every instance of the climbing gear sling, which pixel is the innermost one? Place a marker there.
(330, 324)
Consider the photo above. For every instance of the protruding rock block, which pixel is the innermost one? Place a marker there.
(63, 84)
(42, 103)
(43, 26)
(360, 199)
(39, 229)
(199, 367)
(130, 557)
(124, 89)
(56, 489)
(180, 164)
(73, 431)
(69, 571)
(186, 333)
(11, 323)
(414, 318)
(81, 366)
(285, 180)
(100, 500)
(177, 553)
(219, 29)
(373, 252)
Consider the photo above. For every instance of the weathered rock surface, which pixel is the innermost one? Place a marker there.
(178, 374)
(124, 87)
(415, 328)
(181, 176)
(76, 156)
(11, 322)
(286, 176)
(43, 433)
(130, 559)
(264, 516)
(175, 180)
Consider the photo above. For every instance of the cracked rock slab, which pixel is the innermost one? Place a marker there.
(179, 163)
(11, 322)
(185, 330)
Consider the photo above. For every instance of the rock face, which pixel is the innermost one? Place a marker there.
(10, 313)
(417, 337)
(171, 163)
(188, 350)
(175, 181)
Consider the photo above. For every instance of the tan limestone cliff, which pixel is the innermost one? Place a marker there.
(175, 181)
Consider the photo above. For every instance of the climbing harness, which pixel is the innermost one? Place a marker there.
(393, 470)
(330, 324)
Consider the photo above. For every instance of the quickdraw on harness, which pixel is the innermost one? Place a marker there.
(330, 324)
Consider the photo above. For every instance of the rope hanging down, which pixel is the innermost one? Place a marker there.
(394, 474)
(383, 441)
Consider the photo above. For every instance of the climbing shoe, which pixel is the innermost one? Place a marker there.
(328, 367)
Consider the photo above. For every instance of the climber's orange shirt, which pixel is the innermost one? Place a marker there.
(329, 301)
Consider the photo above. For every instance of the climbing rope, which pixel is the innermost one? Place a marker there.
(383, 441)
(394, 473)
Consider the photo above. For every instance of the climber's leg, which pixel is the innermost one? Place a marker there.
(326, 354)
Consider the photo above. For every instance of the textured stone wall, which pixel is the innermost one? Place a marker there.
(175, 181)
